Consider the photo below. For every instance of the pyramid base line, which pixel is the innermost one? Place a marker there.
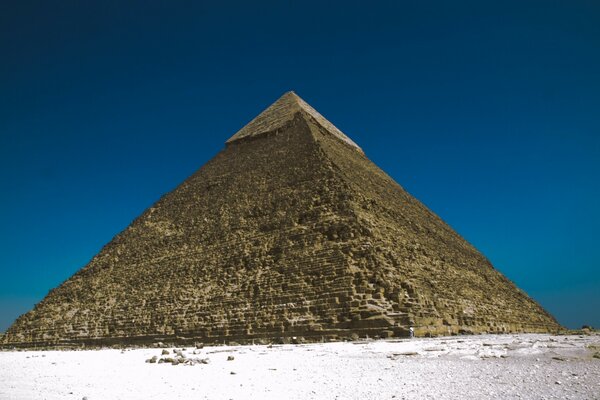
(288, 337)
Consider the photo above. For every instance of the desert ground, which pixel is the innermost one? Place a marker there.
(522, 366)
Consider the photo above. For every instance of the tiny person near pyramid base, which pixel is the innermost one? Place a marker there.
(288, 232)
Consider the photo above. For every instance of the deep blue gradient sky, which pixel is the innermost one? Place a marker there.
(488, 112)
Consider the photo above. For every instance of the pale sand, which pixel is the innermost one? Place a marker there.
(486, 366)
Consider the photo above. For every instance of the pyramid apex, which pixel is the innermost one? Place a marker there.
(280, 112)
(291, 94)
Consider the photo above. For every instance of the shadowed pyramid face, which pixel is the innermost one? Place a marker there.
(290, 231)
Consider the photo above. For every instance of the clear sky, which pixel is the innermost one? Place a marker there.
(488, 112)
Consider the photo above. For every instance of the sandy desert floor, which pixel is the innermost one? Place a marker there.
(499, 367)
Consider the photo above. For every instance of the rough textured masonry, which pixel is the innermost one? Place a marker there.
(290, 231)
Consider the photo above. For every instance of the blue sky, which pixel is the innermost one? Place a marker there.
(488, 112)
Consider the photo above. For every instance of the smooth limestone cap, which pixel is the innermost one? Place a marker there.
(282, 111)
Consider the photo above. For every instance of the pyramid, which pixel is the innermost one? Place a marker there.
(288, 232)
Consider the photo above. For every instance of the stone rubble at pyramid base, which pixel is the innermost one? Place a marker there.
(292, 337)
(375, 326)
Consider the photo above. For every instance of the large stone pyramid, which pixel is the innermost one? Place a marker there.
(290, 231)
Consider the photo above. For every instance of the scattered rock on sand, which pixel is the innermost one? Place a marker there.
(435, 348)
(230, 358)
(165, 352)
(395, 356)
(195, 361)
